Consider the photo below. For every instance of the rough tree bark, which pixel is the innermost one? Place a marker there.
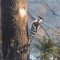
(14, 30)
(21, 24)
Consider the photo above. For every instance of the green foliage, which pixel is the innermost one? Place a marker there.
(47, 46)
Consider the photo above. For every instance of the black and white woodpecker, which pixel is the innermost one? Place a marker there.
(34, 27)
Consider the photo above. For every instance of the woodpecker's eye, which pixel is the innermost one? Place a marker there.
(41, 17)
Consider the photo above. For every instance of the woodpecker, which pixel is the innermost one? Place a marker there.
(34, 27)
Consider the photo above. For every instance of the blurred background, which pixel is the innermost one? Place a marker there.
(50, 28)
(0, 33)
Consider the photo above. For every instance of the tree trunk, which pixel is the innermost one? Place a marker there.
(7, 26)
(14, 30)
(58, 58)
(21, 24)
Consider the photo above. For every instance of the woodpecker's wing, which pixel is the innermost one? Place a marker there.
(33, 31)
